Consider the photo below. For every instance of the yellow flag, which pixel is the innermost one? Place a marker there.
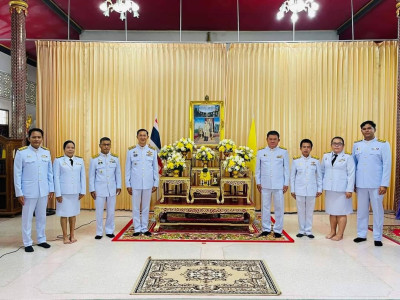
(252, 144)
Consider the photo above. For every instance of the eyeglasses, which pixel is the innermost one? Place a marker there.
(337, 144)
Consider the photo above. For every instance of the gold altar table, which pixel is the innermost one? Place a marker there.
(181, 187)
(240, 188)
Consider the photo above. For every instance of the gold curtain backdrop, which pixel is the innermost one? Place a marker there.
(303, 90)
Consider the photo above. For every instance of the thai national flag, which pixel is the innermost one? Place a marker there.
(155, 141)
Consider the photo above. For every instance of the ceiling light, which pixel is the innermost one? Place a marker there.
(120, 6)
(296, 6)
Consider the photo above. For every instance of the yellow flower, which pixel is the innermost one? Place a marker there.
(231, 163)
(228, 147)
(180, 145)
(209, 155)
(221, 149)
(189, 146)
(170, 165)
(243, 164)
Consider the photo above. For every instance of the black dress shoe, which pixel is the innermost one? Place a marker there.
(359, 240)
(147, 233)
(378, 243)
(29, 249)
(110, 235)
(277, 235)
(264, 233)
(311, 236)
(299, 235)
(98, 237)
(44, 245)
(137, 234)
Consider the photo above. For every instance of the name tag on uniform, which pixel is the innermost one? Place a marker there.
(375, 148)
(342, 160)
(112, 161)
(44, 156)
(279, 156)
(149, 153)
(64, 163)
(313, 163)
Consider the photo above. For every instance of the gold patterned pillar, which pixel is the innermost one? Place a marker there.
(397, 180)
(18, 11)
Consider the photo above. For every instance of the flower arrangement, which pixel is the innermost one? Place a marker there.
(245, 152)
(234, 163)
(184, 145)
(176, 162)
(226, 146)
(205, 154)
(166, 152)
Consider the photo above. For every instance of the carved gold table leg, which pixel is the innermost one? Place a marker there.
(157, 212)
(162, 192)
(191, 194)
(252, 215)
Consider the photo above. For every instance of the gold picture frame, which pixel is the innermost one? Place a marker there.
(206, 120)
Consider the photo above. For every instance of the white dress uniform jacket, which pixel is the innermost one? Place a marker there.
(33, 172)
(69, 179)
(306, 176)
(141, 169)
(373, 161)
(272, 168)
(341, 176)
(104, 175)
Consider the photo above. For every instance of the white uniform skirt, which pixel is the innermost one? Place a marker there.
(69, 207)
(337, 204)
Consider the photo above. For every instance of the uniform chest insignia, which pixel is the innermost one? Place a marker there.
(135, 154)
(28, 156)
(375, 148)
(313, 163)
(265, 155)
(112, 161)
(342, 160)
(279, 156)
(149, 153)
(44, 156)
(64, 163)
(101, 171)
(99, 162)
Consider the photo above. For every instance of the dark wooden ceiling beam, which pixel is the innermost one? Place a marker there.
(55, 8)
(358, 15)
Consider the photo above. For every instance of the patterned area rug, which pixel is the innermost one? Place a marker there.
(195, 233)
(391, 232)
(206, 277)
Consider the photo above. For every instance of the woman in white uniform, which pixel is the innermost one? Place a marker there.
(338, 171)
(70, 187)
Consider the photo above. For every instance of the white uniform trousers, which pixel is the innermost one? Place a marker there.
(266, 196)
(305, 212)
(37, 205)
(364, 197)
(110, 209)
(141, 198)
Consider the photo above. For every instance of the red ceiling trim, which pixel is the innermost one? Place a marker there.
(55, 8)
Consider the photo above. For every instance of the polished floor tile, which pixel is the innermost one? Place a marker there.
(90, 269)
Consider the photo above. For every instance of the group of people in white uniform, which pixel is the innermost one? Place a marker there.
(36, 180)
(365, 171)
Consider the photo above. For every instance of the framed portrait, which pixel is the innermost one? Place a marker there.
(206, 122)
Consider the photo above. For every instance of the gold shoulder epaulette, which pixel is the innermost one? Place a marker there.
(283, 148)
(23, 148)
(316, 157)
(327, 152)
(358, 141)
(260, 148)
(113, 154)
(131, 147)
(296, 157)
(151, 147)
(382, 141)
(78, 156)
(45, 148)
(349, 153)
(60, 156)
(96, 155)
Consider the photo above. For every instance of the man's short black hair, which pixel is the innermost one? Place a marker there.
(67, 142)
(339, 138)
(368, 122)
(33, 130)
(105, 139)
(137, 133)
(304, 141)
(273, 132)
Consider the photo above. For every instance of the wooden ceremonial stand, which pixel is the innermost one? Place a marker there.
(205, 203)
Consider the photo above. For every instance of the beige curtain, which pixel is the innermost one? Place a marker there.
(90, 90)
(315, 91)
(303, 90)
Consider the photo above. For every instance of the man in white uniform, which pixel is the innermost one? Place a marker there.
(33, 182)
(373, 166)
(306, 185)
(141, 179)
(105, 186)
(272, 178)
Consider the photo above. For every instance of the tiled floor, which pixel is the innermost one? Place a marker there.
(91, 269)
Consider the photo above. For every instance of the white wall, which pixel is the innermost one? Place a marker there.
(216, 36)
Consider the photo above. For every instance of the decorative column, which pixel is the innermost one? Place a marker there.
(397, 179)
(18, 11)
